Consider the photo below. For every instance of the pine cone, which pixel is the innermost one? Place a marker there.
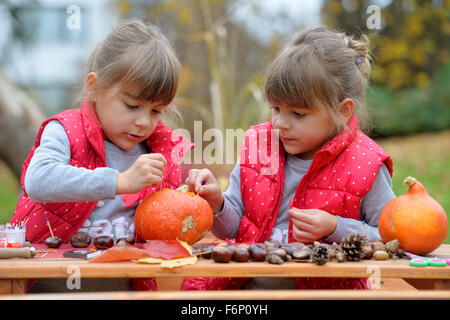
(352, 247)
(394, 250)
(320, 254)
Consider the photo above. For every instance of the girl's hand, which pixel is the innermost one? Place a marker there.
(309, 225)
(147, 170)
(205, 185)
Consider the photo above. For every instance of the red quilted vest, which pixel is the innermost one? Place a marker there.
(341, 173)
(87, 150)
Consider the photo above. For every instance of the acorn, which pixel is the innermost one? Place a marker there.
(258, 253)
(80, 240)
(221, 254)
(381, 255)
(53, 242)
(103, 242)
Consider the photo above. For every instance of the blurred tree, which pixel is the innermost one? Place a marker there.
(412, 44)
(20, 118)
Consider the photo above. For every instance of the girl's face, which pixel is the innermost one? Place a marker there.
(126, 121)
(303, 131)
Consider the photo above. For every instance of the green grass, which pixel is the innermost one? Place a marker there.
(9, 187)
(425, 157)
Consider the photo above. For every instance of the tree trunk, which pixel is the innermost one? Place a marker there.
(20, 118)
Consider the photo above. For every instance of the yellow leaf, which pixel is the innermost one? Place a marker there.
(186, 246)
(178, 262)
(169, 264)
(150, 260)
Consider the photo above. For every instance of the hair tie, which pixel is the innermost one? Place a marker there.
(358, 60)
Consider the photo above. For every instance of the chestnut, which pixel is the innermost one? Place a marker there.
(103, 242)
(53, 242)
(123, 243)
(244, 246)
(241, 254)
(208, 251)
(80, 240)
(289, 250)
(231, 248)
(301, 254)
(130, 239)
(221, 254)
(257, 252)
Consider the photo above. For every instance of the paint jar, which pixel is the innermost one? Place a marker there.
(15, 235)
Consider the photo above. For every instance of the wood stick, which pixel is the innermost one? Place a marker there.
(201, 253)
(49, 227)
(365, 232)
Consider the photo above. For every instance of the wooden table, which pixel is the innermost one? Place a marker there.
(14, 273)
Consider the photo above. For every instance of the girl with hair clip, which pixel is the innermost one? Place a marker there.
(90, 167)
(329, 176)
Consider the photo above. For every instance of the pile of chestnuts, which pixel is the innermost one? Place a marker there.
(271, 251)
(274, 252)
(82, 240)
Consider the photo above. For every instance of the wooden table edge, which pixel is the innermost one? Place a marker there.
(242, 295)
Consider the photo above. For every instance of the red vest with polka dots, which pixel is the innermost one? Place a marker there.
(87, 150)
(341, 173)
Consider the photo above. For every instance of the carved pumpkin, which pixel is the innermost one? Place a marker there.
(173, 214)
(415, 219)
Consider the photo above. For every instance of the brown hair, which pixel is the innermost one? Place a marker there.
(318, 69)
(137, 56)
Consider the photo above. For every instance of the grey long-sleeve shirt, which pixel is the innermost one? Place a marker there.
(226, 222)
(50, 178)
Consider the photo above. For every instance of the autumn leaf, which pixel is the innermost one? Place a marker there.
(169, 264)
(166, 249)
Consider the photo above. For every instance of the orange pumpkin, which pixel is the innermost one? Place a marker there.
(415, 219)
(173, 214)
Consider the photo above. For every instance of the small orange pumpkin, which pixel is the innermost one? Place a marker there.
(415, 219)
(173, 214)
